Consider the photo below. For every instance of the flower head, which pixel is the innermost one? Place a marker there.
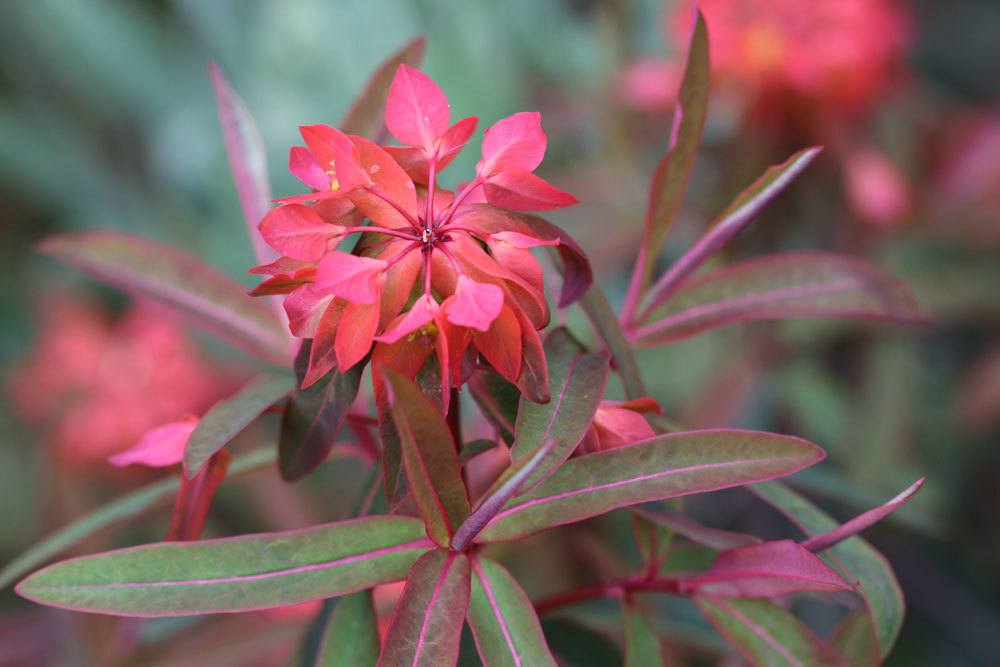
(434, 272)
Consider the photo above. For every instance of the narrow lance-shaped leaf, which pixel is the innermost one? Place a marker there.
(247, 160)
(666, 466)
(862, 521)
(129, 506)
(178, 280)
(314, 416)
(853, 638)
(858, 560)
(509, 484)
(666, 191)
(576, 384)
(429, 458)
(427, 624)
(230, 416)
(694, 531)
(497, 400)
(642, 648)
(733, 220)
(796, 284)
(765, 570)
(503, 622)
(766, 634)
(366, 114)
(233, 574)
(346, 634)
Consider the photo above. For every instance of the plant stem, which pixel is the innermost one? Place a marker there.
(455, 419)
(612, 589)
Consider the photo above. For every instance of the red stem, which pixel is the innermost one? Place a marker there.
(612, 589)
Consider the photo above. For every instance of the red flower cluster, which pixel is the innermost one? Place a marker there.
(434, 271)
(842, 54)
(100, 385)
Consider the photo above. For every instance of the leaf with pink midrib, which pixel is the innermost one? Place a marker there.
(233, 574)
(427, 623)
(787, 285)
(666, 466)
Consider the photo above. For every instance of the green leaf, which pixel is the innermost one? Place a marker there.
(503, 620)
(854, 638)
(350, 635)
(233, 574)
(694, 531)
(666, 191)
(600, 313)
(577, 645)
(576, 384)
(497, 400)
(788, 285)
(429, 458)
(427, 624)
(766, 634)
(854, 558)
(127, 507)
(180, 281)
(642, 648)
(653, 542)
(230, 416)
(313, 417)
(733, 220)
(366, 116)
(474, 448)
(663, 467)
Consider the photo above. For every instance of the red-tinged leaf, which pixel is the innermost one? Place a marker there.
(366, 115)
(697, 533)
(429, 458)
(304, 167)
(503, 622)
(194, 498)
(354, 340)
(576, 384)
(524, 191)
(305, 308)
(501, 344)
(391, 182)
(666, 189)
(406, 357)
(789, 285)
(476, 305)
(353, 278)
(313, 417)
(422, 312)
(862, 521)
(765, 570)
(854, 558)
(497, 400)
(337, 156)
(247, 159)
(427, 623)
(733, 220)
(129, 506)
(642, 647)
(767, 635)
(415, 162)
(322, 350)
(228, 417)
(534, 380)
(182, 282)
(233, 574)
(853, 638)
(297, 231)
(667, 466)
(513, 480)
(417, 111)
(160, 446)
(514, 142)
(577, 274)
(281, 284)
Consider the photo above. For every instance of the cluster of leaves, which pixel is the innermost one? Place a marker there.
(438, 537)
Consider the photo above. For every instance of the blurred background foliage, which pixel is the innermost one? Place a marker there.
(107, 120)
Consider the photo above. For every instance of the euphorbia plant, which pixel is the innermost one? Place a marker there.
(440, 296)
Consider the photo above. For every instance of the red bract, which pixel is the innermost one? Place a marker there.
(618, 423)
(449, 274)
